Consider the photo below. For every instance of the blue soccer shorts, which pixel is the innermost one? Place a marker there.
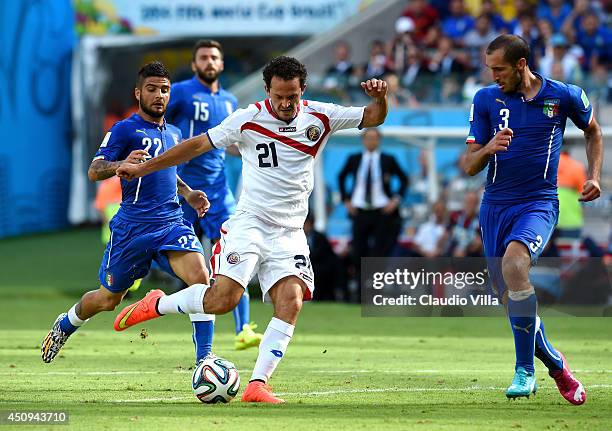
(531, 223)
(133, 246)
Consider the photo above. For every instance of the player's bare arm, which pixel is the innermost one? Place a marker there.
(233, 150)
(594, 149)
(197, 199)
(176, 155)
(102, 169)
(477, 155)
(376, 111)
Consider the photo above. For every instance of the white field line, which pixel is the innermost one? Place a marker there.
(96, 373)
(186, 371)
(352, 391)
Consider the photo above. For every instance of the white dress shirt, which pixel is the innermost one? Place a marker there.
(379, 199)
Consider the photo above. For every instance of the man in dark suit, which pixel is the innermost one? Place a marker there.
(372, 204)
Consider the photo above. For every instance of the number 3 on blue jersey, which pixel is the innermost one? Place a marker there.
(535, 246)
(505, 115)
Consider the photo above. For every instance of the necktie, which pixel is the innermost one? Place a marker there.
(368, 185)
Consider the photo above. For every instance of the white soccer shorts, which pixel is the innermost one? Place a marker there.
(250, 245)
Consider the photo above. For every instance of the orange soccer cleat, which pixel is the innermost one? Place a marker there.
(259, 392)
(141, 311)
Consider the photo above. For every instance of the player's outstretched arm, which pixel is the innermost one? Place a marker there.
(101, 169)
(376, 111)
(197, 199)
(594, 150)
(176, 155)
(477, 156)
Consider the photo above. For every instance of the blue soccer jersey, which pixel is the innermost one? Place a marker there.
(152, 198)
(195, 109)
(528, 170)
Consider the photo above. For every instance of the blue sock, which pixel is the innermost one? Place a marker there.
(203, 337)
(67, 327)
(545, 352)
(242, 312)
(522, 315)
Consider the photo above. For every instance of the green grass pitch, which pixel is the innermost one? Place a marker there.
(341, 371)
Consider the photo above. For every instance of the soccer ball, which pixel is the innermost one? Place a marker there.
(215, 380)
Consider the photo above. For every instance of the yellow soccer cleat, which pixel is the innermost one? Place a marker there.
(136, 285)
(247, 337)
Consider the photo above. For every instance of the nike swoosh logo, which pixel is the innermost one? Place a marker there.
(127, 316)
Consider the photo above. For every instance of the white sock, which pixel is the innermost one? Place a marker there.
(186, 301)
(272, 348)
(202, 317)
(74, 319)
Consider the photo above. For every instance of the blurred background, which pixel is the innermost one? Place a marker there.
(68, 70)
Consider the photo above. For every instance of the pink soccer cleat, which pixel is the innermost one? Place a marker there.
(569, 387)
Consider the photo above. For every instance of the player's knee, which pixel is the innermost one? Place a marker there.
(293, 306)
(288, 307)
(198, 276)
(514, 270)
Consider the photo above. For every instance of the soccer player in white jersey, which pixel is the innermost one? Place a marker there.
(279, 139)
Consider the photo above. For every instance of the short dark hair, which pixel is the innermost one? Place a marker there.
(371, 129)
(155, 68)
(285, 68)
(205, 43)
(515, 48)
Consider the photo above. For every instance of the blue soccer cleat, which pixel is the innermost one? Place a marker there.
(523, 384)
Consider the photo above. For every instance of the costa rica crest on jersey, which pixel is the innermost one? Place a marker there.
(551, 107)
(233, 258)
(313, 133)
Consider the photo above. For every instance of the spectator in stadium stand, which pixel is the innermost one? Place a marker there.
(376, 67)
(479, 37)
(397, 95)
(561, 64)
(373, 204)
(571, 176)
(458, 23)
(426, 240)
(416, 76)
(425, 19)
(573, 23)
(339, 73)
(448, 68)
(527, 29)
(329, 274)
(463, 234)
(543, 46)
(457, 186)
(596, 41)
(499, 21)
(398, 54)
(555, 12)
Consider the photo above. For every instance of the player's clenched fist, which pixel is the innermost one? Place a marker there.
(128, 171)
(500, 142)
(590, 191)
(137, 156)
(375, 88)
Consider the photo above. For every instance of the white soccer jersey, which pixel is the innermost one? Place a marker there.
(278, 157)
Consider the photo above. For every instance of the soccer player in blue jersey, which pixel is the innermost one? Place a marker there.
(149, 224)
(197, 105)
(516, 130)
